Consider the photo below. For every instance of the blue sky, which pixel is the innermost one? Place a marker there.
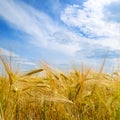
(61, 32)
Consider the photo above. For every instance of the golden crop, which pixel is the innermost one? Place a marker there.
(46, 94)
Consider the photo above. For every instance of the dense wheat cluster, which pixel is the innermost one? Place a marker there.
(49, 94)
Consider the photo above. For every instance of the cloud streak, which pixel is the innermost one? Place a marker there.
(16, 58)
(7, 53)
(38, 25)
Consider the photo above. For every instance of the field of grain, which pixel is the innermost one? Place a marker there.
(49, 94)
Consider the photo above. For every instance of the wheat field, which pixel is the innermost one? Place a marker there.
(50, 94)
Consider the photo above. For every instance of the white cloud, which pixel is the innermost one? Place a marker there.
(17, 58)
(7, 53)
(25, 62)
(39, 26)
(91, 20)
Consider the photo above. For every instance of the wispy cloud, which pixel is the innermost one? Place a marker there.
(17, 58)
(8, 53)
(91, 19)
(25, 62)
(42, 30)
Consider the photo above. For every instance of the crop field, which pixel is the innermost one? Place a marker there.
(50, 94)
